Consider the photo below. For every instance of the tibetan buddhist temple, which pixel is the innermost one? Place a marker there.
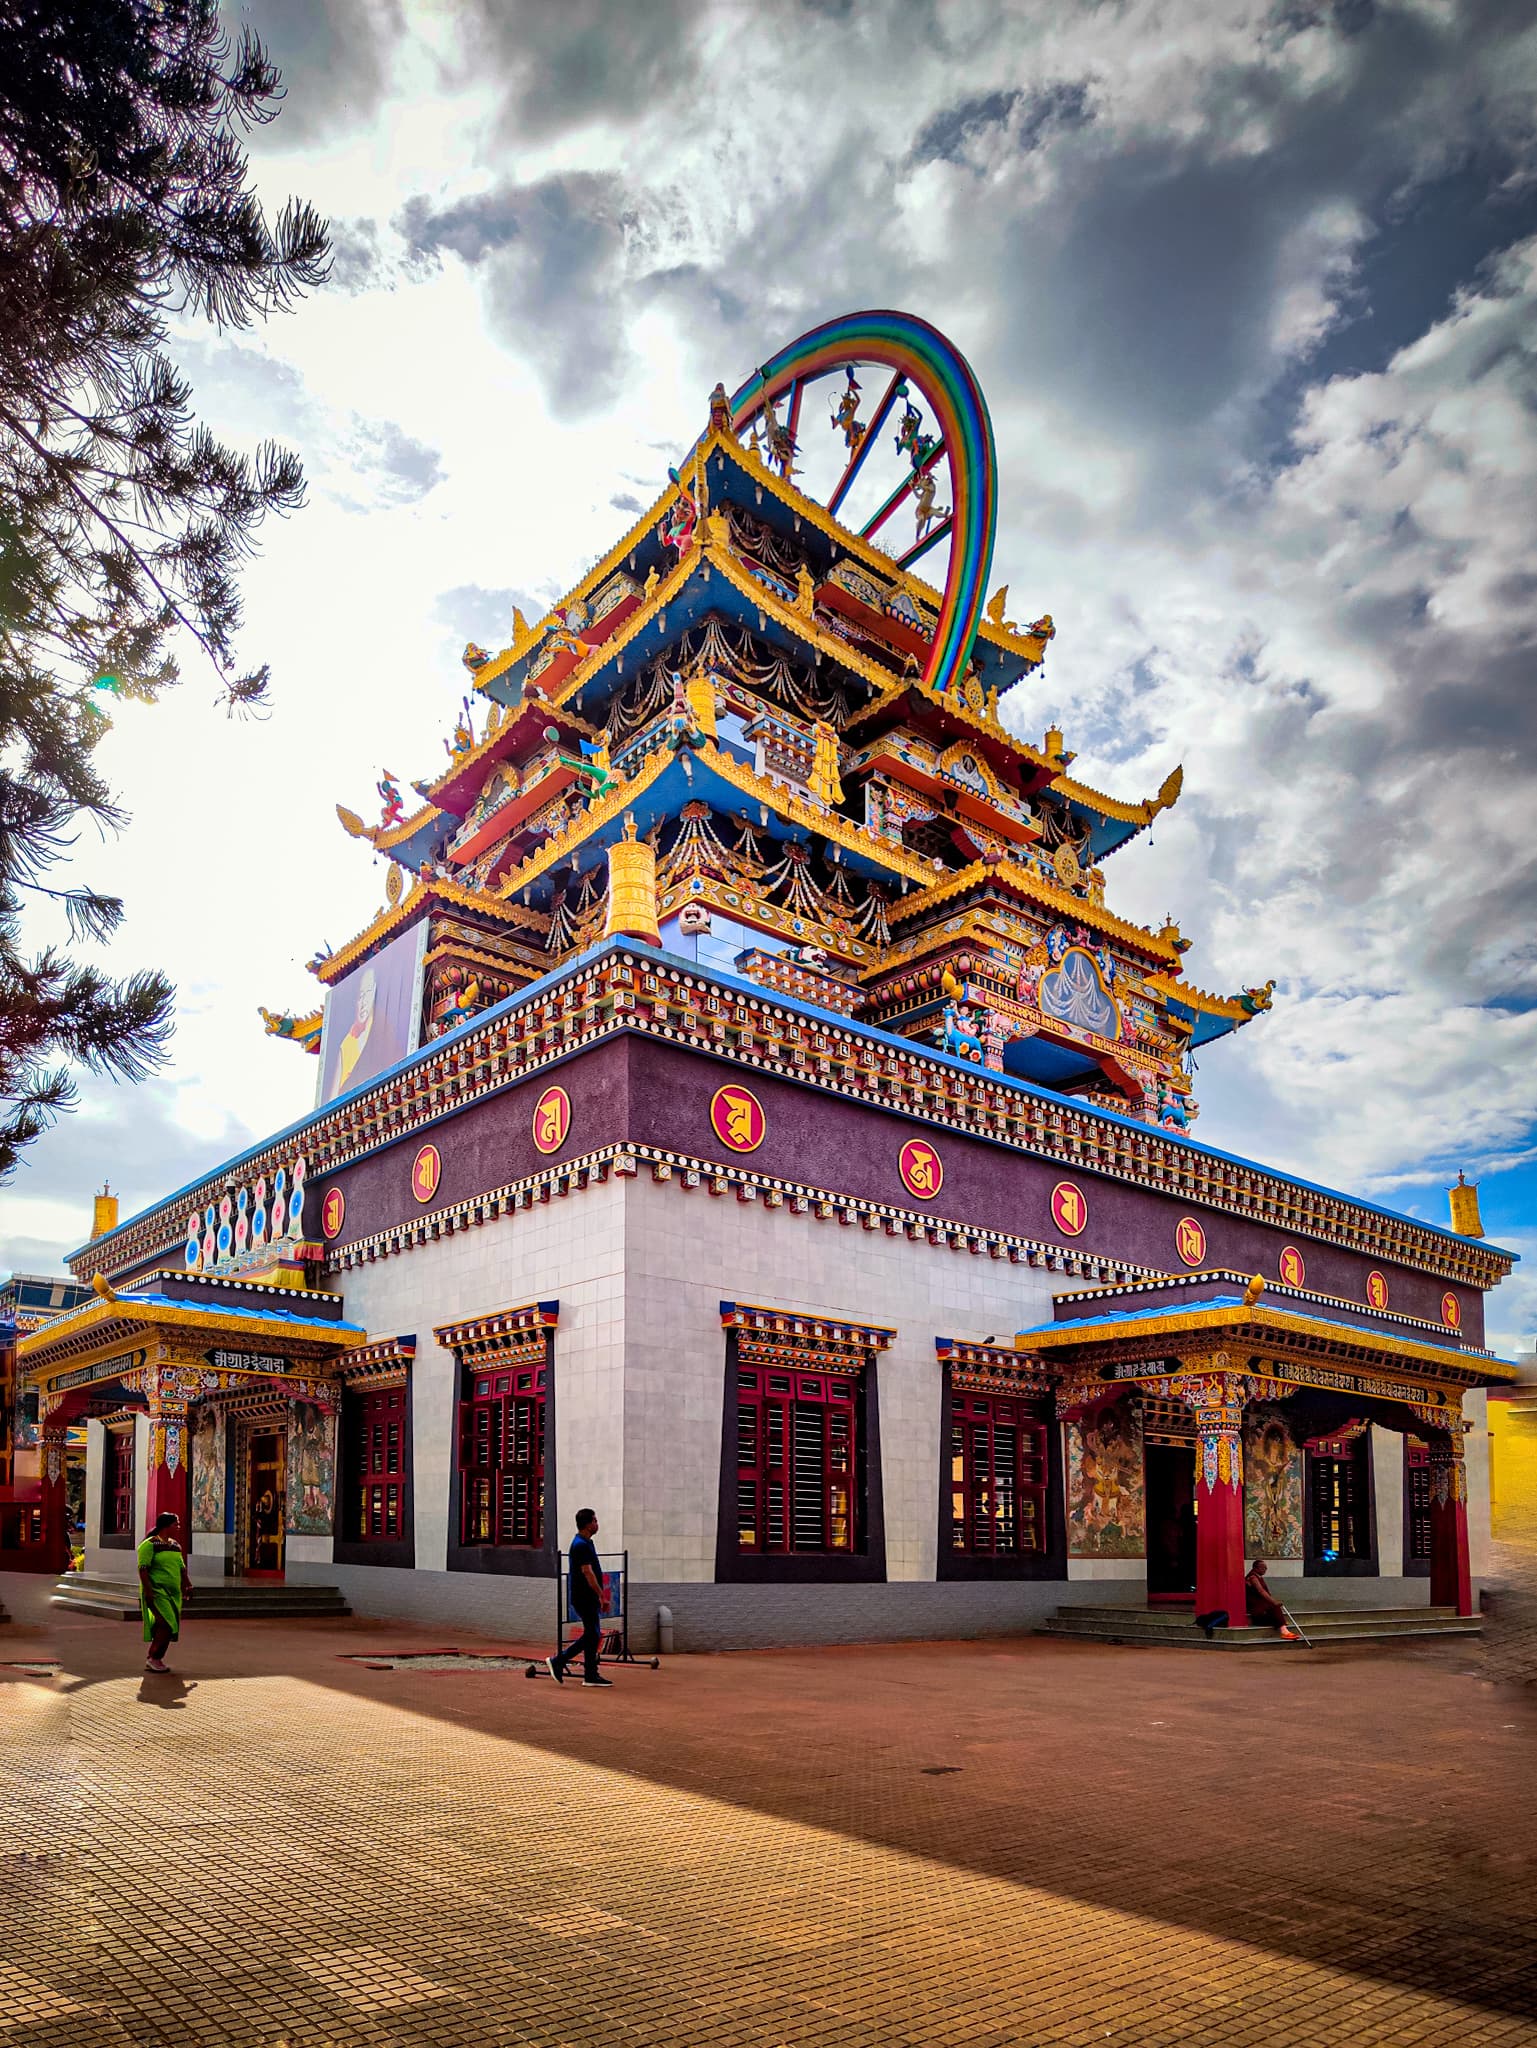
(749, 1115)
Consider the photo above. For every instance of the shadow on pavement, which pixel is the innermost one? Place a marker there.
(1370, 1811)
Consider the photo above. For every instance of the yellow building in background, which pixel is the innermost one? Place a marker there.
(1513, 1459)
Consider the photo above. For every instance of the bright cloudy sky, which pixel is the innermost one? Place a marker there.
(1252, 292)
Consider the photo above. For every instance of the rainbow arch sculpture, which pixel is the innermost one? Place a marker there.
(919, 352)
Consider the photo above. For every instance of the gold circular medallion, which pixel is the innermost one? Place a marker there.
(1069, 869)
(394, 886)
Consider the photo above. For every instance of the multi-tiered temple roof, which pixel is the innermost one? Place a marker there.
(824, 757)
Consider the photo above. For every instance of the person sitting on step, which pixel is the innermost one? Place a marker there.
(1263, 1608)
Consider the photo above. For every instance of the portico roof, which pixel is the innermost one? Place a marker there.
(110, 1322)
(1240, 1326)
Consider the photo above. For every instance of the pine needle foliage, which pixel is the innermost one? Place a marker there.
(125, 212)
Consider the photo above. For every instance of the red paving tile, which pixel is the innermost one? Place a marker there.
(986, 1843)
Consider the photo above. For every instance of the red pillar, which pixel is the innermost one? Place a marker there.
(170, 1479)
(55, 1545)
(1451, 1574)
(1218, 1400)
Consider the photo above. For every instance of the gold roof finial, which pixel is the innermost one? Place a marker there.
(1466, 1220)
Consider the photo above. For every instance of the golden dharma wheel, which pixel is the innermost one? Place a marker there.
(1068, 866)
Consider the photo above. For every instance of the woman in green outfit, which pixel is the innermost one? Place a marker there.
(163, 1585)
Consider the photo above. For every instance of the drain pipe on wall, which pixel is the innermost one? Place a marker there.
(664, 1630)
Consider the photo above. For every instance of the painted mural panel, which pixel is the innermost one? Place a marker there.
(311, 1469)
(373, 1016)
(208, 1463)
(1272, 1484)
(1106, 1514)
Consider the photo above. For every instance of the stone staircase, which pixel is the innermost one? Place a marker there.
(1174, 1628)
(214, 1599)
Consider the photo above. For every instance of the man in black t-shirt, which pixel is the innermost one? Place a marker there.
(587, 1599)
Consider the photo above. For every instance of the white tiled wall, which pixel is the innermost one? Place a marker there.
(640, 1270)
(687, 1251)
(568, 1251)
(115, 1562)
(1388, 1492)
(95, 1468)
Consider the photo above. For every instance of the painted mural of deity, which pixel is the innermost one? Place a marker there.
(1106, 1513)
(311, 1469)
(208, 1472)
(1272, 1484)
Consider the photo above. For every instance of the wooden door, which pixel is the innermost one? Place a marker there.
(266, 1502)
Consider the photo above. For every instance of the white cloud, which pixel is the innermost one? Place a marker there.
(1143, 235)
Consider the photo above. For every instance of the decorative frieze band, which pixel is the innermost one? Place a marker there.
(622, 990)
(687, 1171)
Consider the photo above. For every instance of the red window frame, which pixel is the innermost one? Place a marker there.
(501, 1456)
(798, 1450)
(377, 1466)
(119, 1518)
(997, 1483)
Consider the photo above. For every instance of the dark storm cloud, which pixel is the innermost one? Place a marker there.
(1029, 117)
(565, 63)
(1429, 242)
(946, 134)
(1155, 284)
(554, 256)
(334, 56)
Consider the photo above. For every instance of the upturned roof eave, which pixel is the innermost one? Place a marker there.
(419, 901)
(1245, 1324)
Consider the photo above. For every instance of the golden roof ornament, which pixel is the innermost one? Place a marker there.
(699, 692)
(825, 784)
(632, 912)
(1466, 1220)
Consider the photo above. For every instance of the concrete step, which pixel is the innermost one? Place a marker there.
(1183, 1618)
(214, 1599)
(1177, 1630)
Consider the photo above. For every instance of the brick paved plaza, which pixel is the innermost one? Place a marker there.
(989, 1844)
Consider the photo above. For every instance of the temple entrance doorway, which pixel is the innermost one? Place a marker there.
(264, 1498)
(1169, 1452)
